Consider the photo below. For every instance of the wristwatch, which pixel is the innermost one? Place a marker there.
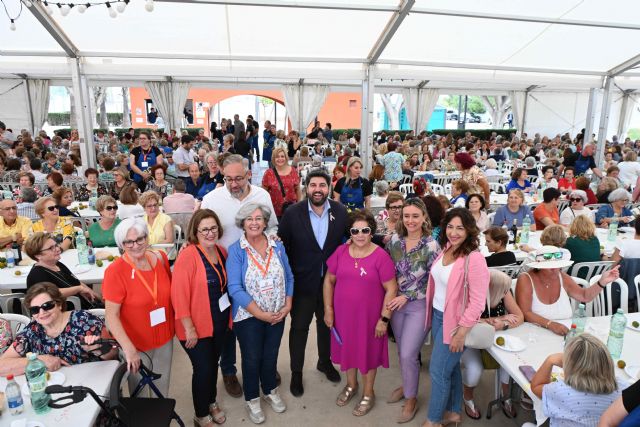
(506, 326)
(384, 319)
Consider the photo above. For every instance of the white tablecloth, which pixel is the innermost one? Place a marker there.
(542, 342)
(94, 275)
(96, 375)
(86, 212)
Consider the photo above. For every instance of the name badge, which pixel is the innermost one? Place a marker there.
(157, 316)
(223, 302)
(145, 164)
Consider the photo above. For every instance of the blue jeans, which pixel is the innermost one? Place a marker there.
(446, 377)
(259, 346)
(228, 357)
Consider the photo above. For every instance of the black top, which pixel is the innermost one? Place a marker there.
(500, 259)
(220, 319)
(137, 152)
(62, 211)
(497, 311)
(631, 397)
(62, 279)
(367, 188)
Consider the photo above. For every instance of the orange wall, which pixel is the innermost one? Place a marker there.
(342, 110)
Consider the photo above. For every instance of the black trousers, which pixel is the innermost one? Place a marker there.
(302, 311)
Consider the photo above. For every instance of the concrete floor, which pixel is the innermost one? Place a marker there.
(317, 408)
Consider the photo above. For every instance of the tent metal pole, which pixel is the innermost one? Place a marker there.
(594, 93)
(82, 101)
(366, 121)
(389, 30)
(52, 27)
(604, 120)
(622, 122)
(417, 113)
(524, 108)
(301, 127)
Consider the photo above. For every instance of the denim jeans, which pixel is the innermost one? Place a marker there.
(228, 357)
(446, 377)
(259, 346)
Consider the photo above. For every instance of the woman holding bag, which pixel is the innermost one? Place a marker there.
(281, 182)
(456, 297)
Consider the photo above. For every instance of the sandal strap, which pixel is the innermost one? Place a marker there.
(202, 421)
(470, 403)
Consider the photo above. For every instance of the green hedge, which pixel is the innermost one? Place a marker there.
(338, 132)
(61, 119)
(120, 131)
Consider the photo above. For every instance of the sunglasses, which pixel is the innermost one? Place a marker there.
(47, 306)
(549, 256)
(356, 231)
(111, 208)
(53, 208)
(576, 200)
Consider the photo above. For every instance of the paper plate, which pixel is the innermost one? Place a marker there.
(633, 371)
(511, 343)
(55, 378)
(630, 326)
(81, 269)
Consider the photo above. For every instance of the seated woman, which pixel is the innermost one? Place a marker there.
(577, 200)
(514, 209)
(605, 188)
(86, 191)
(160, 224)
(491, 168)
(543, 293)
(54, 181)
(589, 385)
(42, 248)
(26, 180)
(496, 239)
(546, 213)
(158, 183)
(616, 208)
(101, 232)
(583, 244)
(547, 180)
(64, 198)
(583, 183)
(459, 190)
(503, 314)
(121, 180)
(52, 222)
(519, 181)
(380, 193)
(387, 220)
(58, 337)
(476, 204)
(129, 206)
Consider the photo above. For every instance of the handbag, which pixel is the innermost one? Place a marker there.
(481, 335)
(285, 204)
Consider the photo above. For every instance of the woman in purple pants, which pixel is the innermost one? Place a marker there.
(413, 250)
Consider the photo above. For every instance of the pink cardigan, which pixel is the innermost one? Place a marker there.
(478, 278)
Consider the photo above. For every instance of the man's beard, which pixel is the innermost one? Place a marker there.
(238, 193)
(321, 202)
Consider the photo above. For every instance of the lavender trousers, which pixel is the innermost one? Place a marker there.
(408, 328)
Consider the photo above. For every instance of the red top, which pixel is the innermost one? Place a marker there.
(291, 182)
(122, 286)
(564, 183)
(591, 197)
(190, 294)
(542, 212)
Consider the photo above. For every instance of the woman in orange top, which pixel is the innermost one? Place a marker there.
(137, 294)
(546, 213)
(201, 303)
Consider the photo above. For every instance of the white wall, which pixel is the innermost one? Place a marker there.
(13, 105)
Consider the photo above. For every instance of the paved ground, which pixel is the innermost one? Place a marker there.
(317, 408)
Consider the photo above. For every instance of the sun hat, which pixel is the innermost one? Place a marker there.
(551, 257)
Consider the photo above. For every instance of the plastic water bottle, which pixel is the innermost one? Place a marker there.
(83, 251)
(616, 334)
(36, 377)
(573, 332)
(613, 229)
(14, 396)
(541, 189)
(526, 230)
(93, 199)
(11, 261)
(580, 318)
(169, 189)
(91, 255)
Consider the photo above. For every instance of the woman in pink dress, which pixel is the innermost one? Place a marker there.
(359, 284)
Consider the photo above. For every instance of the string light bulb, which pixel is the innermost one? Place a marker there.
(149, 6)
(65, 9)
(12, 26)
(122, 5)
(112, 11)
(48, 8)
(82, 8)
(27, 3)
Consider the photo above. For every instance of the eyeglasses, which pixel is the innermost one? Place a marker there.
(207, 231)
(111, 208)
(549, 256)
(394, 208)
(47, 306)
(237, 179)
(10, 208)
(55, 246)
(152, 206)
(53, 208)
(576, 200)
(256, 219)
(139, 241)
(355, 231)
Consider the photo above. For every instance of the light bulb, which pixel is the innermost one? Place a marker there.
(64, 10)
(149, 6)
(27, 3)
(112, 11)
(12, 26)
(48, 8)
(121, 6)
(82, 8)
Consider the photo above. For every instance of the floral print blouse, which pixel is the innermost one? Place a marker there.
(67, 345)
(84, 193)
(472, 175)
(412, 268)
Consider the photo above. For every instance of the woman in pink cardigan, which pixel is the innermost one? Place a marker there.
(448, 316)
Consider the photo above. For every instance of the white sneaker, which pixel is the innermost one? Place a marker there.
(276, 402)
(255, 411)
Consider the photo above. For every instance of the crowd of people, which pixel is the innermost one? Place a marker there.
(306, 242)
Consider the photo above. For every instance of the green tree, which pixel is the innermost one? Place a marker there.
(474, 103)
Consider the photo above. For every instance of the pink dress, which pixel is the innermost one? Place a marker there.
(357, 302)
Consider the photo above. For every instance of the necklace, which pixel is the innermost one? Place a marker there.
(356, 259)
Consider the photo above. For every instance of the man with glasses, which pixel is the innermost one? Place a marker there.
(225, 202)
(311, 230)
(12, 226)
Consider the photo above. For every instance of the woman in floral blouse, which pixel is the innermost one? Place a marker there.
(58, 337)
(413, 250)
(86, 190)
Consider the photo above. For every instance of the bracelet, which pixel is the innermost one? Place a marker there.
(598, 283)
(548, 323)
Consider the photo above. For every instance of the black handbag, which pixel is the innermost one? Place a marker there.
(285, 204)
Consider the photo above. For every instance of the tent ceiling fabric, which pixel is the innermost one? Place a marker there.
(453, 44)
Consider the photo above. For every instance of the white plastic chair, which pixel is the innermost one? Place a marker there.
(589, 306)
(448, 188)
(16, 321)
(406, 189)
(98, 312)
(511, 270)
(498, 188)
(593, 268)
(636, 283)
(438, 189)
(603, 302)
(6, 301)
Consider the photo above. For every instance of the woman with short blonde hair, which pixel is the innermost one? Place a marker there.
(583, 243)
(282, 182)
(160, 224)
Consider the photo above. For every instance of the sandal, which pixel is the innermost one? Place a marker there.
(471, 410)
(508, 408)
(218, 417)
(405, 418)
(346, 395)
(396, 395)
(364, 406)
(203, 422)
(526, 403)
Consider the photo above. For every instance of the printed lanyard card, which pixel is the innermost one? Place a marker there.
(157, 316)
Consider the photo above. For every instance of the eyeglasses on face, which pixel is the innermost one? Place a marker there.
(111, 208)
(237, 179)
(53, 247)
(151, 206)
(47, 306)
(365, 230)
(394, 208)
(549, 256)
(139, 241)
(207, 231)
(53, 208)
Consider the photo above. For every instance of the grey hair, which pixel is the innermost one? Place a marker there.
(491, 164)
(236, 159)
(381, 187)
(136, 223)
(248, 209)
(581, 194)
(211, 154)
(619, 194)
(29, 195)
(530, 162)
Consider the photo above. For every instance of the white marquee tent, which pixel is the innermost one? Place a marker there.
(563, 62)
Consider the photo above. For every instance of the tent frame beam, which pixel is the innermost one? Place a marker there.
(389, 31)
(625, 66)
(39, 12)
(292, 4)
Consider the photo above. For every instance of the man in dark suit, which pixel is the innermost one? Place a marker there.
(311, 231)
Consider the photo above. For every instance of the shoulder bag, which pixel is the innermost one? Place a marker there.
(285, 203)
(481, 335)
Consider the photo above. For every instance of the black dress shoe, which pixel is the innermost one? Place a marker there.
(296, 384)
(332, 374)
(278, 379)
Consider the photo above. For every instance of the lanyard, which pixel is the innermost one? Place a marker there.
(145, 155)
(152, 291)
(223, 283)
(264, 270)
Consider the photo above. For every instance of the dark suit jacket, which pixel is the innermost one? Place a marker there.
(307, 259)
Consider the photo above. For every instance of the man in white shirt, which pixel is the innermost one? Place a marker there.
(184, 156)
(225, 202)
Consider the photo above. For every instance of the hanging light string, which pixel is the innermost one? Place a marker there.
(12, 21)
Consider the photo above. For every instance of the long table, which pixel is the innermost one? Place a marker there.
(95, 375)
(542, 343)
(93, 274)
